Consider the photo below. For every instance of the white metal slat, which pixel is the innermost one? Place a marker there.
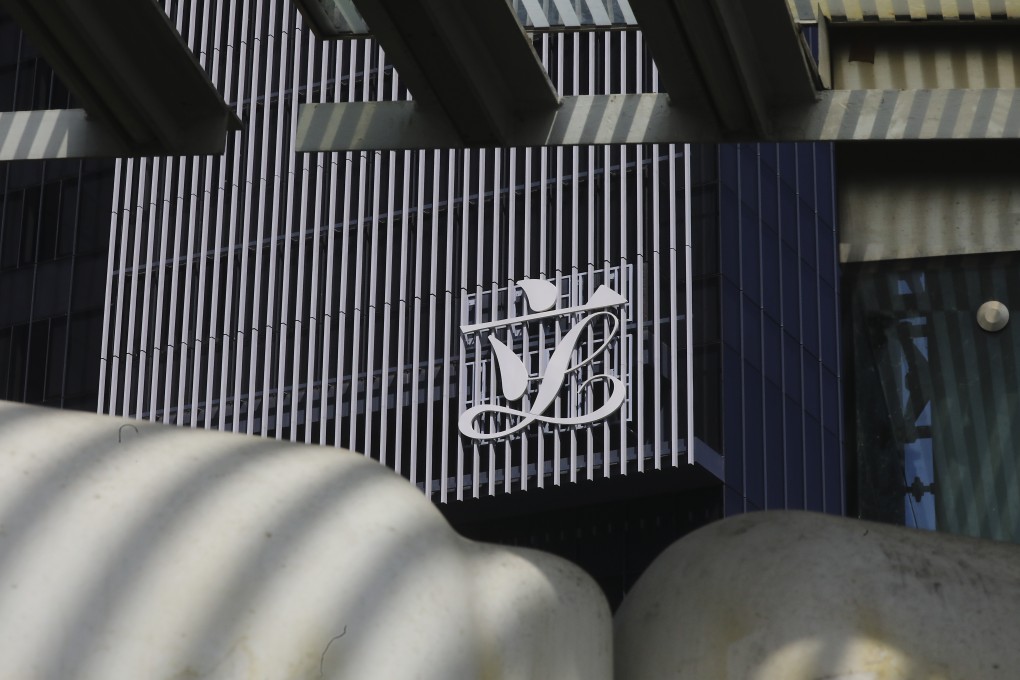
(244, 346)
(578, 293)
(479, 307)
(148, 362)
(108, 358)
(187, 344)
(344, 315)
(328, 317)
(217, 345)
(526, 273)
(689, 304)
(402, 301)
(285, 387)
(142, 197)
(657, 293)
(316, 322)
(242, 340)
(656, 313)
(500, 252)
(141, 273)
(258, 331)
(508, 281)
(387, 300)
(416, 305)
(639, 208)
(359, 305)
(402, 307)
(624, 260)
(203, 336)
(674, 310)
(226, 338)
(606, 262)
(372, 306)
(462, 292)
(590, 255)
(208, 331)
(433, 330)
(543, 271)
(301, 397)
(418, 302)
(172, 341)
(556, 272)
(174, 345)
(270, 330)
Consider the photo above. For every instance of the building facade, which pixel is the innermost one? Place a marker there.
(370, 300)
(54, 237)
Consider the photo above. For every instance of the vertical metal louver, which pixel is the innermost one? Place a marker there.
(320, 297)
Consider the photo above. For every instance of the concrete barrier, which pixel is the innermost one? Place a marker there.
(131, 550)
(792, 596)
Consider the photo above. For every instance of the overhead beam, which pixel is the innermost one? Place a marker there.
(467, 60)
(332, 19)
(893, 115)
(63, 133)
(731, 60)
(129, 68)
(841, 115)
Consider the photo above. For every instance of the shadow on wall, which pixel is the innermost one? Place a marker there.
(180, 553)
(183, 553)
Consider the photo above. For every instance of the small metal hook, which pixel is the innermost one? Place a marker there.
(120, 431)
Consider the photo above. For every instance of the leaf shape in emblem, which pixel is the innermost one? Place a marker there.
(512, 371)
(541, 294)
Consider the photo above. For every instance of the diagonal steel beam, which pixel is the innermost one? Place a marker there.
(132, 72)
(467, 60)
(730, 60)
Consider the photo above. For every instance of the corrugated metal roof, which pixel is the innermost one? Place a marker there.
(906, 10)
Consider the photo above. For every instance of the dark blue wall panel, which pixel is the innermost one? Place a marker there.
(779, 273)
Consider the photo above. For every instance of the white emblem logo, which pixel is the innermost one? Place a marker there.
(565, 360)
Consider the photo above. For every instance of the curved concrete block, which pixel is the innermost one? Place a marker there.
(795, 596)
(180, 553)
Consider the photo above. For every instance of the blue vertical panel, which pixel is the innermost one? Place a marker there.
(828, 323)
(733, 431)
(775, 481)
(772, 351)
(729, 217)
(771, 273)
(812, 385)
(793, 433)
(755, 461)
(809, 307)
(732, 369)
(782, 408)
(814, 479)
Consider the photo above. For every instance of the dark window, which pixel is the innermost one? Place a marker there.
(936, 402)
